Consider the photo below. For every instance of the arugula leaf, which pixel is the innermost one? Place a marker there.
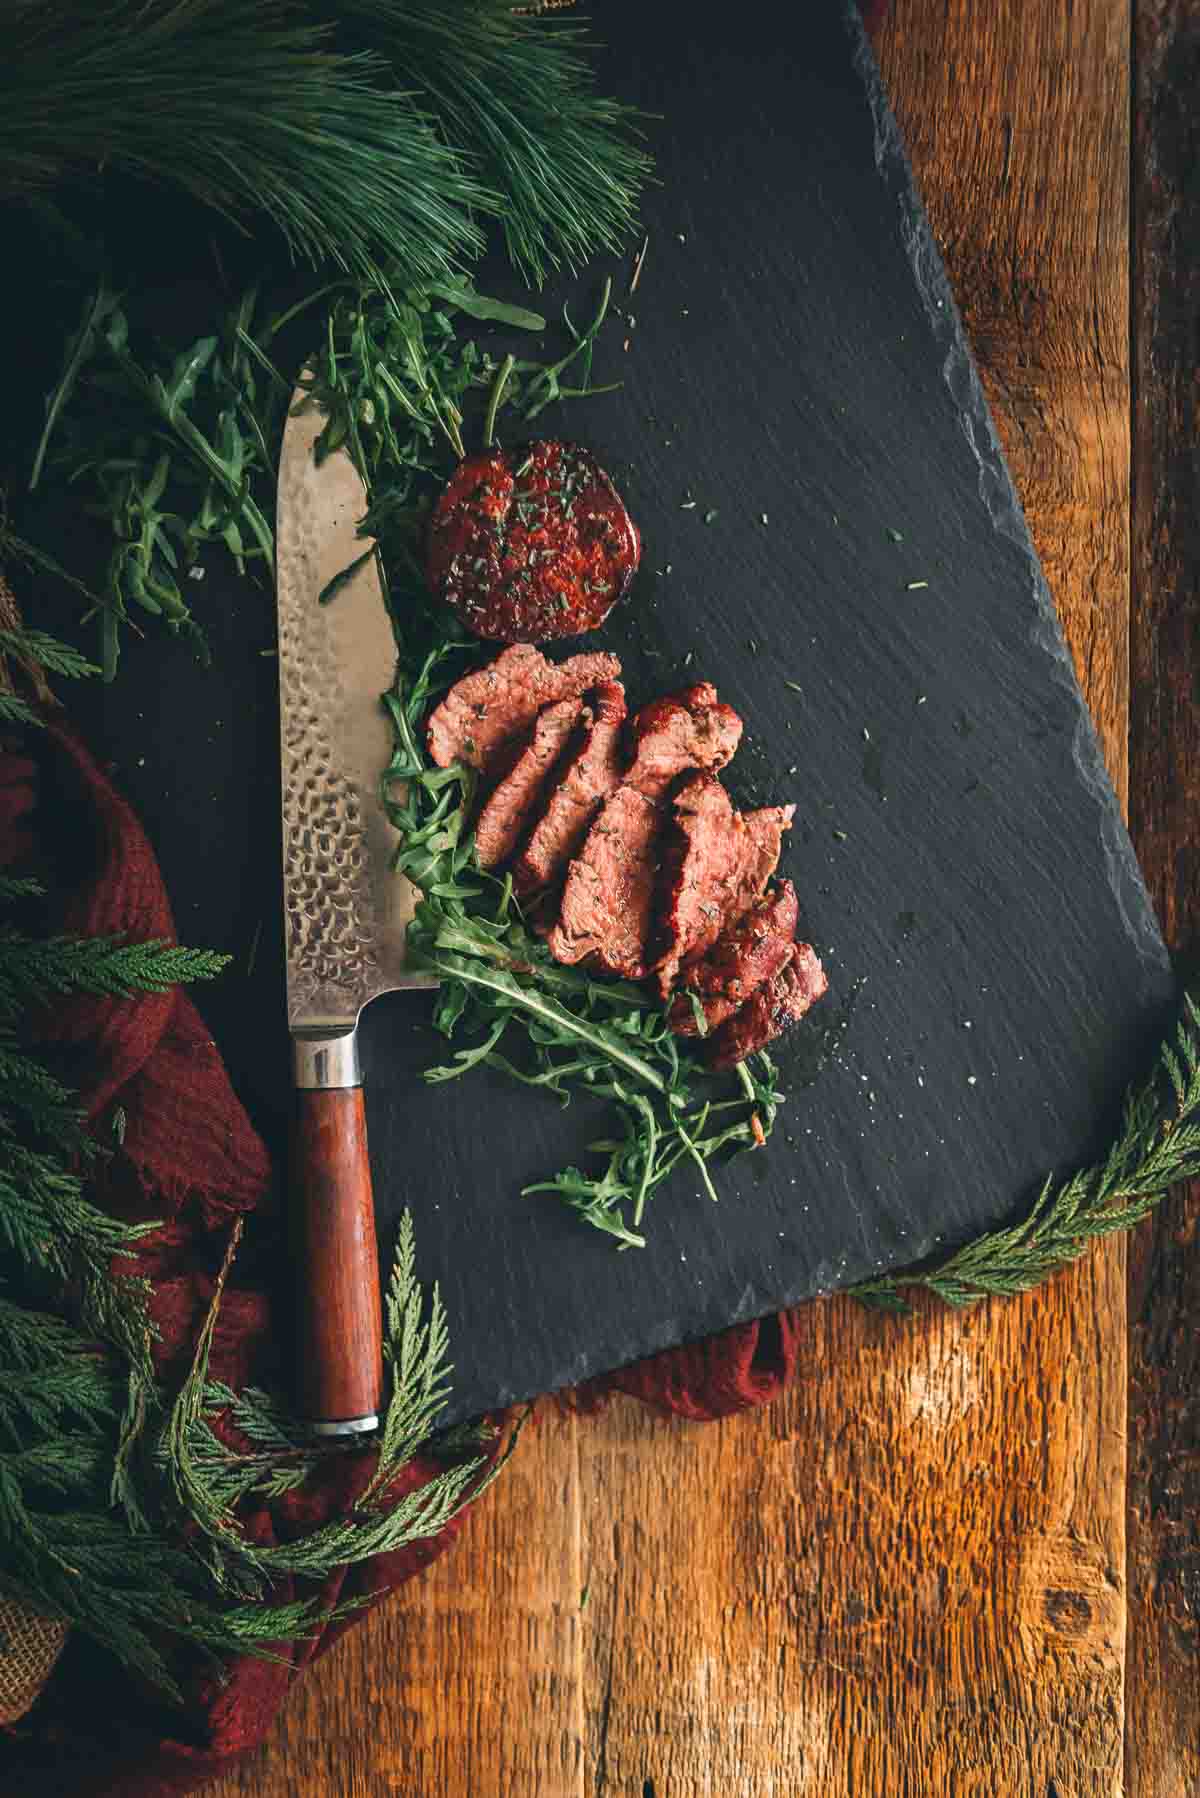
(509, 1006)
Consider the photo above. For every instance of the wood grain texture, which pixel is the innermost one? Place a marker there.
(339, 1352)
(1163, 1680)
(908, 1576)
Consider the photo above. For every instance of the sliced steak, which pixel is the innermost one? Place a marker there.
(592, 769)
(607, 909)
(485, 714)
(608, 900)
(531, 543)
(686, 730)
(740, 961)
(783, 1000)
(501, 823)
(716, 863)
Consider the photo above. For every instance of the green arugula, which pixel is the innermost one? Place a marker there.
(176, 451)
(568, 1034)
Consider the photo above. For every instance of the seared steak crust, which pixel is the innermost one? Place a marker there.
(502, 820)
(781, 1001)
(486, 713)
(717, 862)
(740, 961)
(592, 769)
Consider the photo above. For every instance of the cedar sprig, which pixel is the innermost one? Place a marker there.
(1155, 1149)
(209, 1480)
(117, 1503)
(31, 968)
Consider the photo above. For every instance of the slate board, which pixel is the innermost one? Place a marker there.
(997, 975)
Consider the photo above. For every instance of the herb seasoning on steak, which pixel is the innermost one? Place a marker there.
(608, 901)
(502, 821)
(743, 959)
(717, 861)
(485, 714)
(783, 1000)
(686, 730)
(593, 767)
(531, 544)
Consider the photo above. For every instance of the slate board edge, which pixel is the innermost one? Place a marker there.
(998, 492)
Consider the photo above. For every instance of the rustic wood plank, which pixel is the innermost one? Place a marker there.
(1162, 1757)
(467, 1681)
(906, 1577)
(1016, 118)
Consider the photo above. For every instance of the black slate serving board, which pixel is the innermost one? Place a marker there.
(796, 365)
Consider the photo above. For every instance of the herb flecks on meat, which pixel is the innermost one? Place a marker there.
(574, 789)
(489, 709)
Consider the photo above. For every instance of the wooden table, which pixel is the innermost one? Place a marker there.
(963, 1555)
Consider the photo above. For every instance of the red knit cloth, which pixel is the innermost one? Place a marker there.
(192, 1158)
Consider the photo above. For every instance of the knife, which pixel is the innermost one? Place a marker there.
(345, 911)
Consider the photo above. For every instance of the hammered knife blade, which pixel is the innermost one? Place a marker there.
(345, 910)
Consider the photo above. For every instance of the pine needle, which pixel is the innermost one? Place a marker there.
(516, 93)
(379, 153)
(251, 111)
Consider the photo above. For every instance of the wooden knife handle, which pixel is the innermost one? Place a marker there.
(339, 1314)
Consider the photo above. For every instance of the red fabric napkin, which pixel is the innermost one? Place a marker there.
(192, 1158)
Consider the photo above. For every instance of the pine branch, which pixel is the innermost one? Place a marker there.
(249, 110)
(517, 95)
(1153, 1151)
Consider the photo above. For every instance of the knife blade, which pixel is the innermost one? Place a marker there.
(345, 910)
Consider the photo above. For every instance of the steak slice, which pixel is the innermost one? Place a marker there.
(608, 900)
(685, 730)
(485, 714)
(717, 863)
(740, 961)
(783, 1000)
(505, 813)
(607, 906)
(531, 543)
(593, 768)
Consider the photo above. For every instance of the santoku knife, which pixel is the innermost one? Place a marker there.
(345, 911)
